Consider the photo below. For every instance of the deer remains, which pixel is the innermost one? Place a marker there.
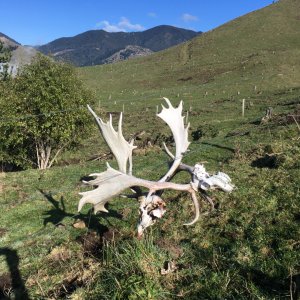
(113, 182)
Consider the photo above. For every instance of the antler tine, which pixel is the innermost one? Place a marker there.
(121, 149)
(197, 208)
(120, 124)
(112, 182)
(168, 151)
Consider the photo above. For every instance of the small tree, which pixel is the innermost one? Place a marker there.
(43, 112)
(5, 56)
(5, 53)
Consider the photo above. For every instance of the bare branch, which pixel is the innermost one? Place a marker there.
(56, 154)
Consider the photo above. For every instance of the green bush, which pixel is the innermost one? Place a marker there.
(43, 113)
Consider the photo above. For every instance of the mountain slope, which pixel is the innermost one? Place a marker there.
(93, 47)
(20, 55)
(127, 53)
(8, 41)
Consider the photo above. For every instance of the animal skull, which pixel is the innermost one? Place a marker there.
(151, 209)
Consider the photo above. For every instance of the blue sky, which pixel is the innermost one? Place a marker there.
(34, 22)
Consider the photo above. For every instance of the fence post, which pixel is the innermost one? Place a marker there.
(243, 107)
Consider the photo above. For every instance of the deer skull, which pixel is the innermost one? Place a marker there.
(151, 209)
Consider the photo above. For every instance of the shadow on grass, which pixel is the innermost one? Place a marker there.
(274, 286)
(58, 213)
(13, 280)
(219, 146)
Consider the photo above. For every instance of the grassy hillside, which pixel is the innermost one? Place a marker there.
(248, 248)
(260, 49)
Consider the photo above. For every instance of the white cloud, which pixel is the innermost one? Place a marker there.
(152, 14)
(189, 18)
(123, 25)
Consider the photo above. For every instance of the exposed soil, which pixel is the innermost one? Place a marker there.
(66, 288)
(174, 250)
(5, 285)
(92, 243)
(3, 231)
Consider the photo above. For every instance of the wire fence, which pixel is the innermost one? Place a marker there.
(126, 106)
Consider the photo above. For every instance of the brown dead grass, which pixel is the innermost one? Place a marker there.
(2, 175)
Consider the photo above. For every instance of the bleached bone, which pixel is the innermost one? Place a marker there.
(203, 181)
(173, 117)
(112, 182)
(150, 211)
(121, 149)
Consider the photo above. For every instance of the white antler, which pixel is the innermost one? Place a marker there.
(121, 149)
(173, 117)
(112, 182)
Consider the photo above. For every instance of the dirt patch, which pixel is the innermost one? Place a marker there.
(111, 235)
(185, 78)
(3, 231)
(174, 250)
(65, 289)
(237, 133)
(287, 118)
(5, 285)
(74, 280)
(92, 243)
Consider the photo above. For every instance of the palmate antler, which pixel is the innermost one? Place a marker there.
(173, 117)
(112, 182)
(121, 149)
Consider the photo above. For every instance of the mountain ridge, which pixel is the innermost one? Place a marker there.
(8, 41)
(93, 47)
